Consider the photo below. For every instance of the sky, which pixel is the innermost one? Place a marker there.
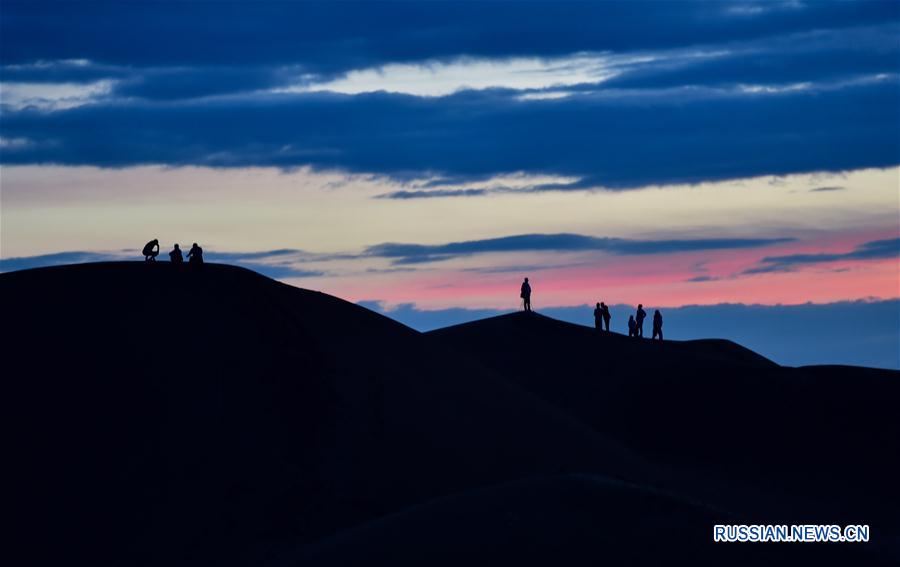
(722, 161)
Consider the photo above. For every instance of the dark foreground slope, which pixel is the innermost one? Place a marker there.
(719, 422)
(164, 416)
(571, 520)
(167, 414)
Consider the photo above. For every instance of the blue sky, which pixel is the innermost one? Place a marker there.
(434, 153)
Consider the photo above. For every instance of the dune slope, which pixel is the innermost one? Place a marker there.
(718, 421)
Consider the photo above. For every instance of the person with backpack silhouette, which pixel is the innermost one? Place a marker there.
(151, 250)
(175, 255)
(631, 326)
(606, 315)
(525, 294)
(195, 255)
(639, 321)
(598, 317)
(657, 325)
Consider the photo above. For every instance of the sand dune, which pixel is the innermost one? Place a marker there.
(165, 416)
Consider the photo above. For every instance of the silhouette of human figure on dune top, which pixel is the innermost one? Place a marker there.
(606, 315)
(151, 250)
(639, 321)
(175, 255)
(657, 325)
(631, 326)
(195, 255)
(525, 294)
(598, 317)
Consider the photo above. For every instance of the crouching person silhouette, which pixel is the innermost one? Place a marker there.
(632, 332)
(151, 250)
(195, 255)
(175, 255)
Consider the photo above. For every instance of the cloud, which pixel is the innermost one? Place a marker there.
(422, 253)
(58, 259)
(520, 268)
(61, 71)
(522, 186)
(611, 143)
(52, 96)
(293, 253)
(674, 94)
(436, 193)
(816, 56)
(826, 189)
(189, 83)
(322, 37)
(788, 334)
(874, 250)
(440, 78)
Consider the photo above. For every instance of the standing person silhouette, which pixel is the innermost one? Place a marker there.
(151, 250)
(631, 326)
(525, 294)
(175, 255)
(639, 321)
(657, 325)
(195, 255)
(606, 315)
(598, 317)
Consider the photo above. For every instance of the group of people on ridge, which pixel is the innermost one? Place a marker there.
(636, 323)
(602, 316)
(194, 256)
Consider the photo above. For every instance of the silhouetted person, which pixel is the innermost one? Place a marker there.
(606, 315)
(195, 255)
(525, 294)
(175, 255)
(631, 326)
(639, 321)
(598, 318)
(151, 250)
(657, 324)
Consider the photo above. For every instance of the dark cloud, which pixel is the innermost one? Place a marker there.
(257, 255)
(189, 80)
(810, 57)
(63, 71)
(875, 250)
(788, 334)
(587, 182)
(331, 37)
(284, 271)
(616, 142)
(422, 253)
(188, 83)
(826, 189)
(523, 268)
(435, 193)
(56, 259)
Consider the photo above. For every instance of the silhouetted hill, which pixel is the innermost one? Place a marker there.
(803, 444)
(170, 412)
(162, 415)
